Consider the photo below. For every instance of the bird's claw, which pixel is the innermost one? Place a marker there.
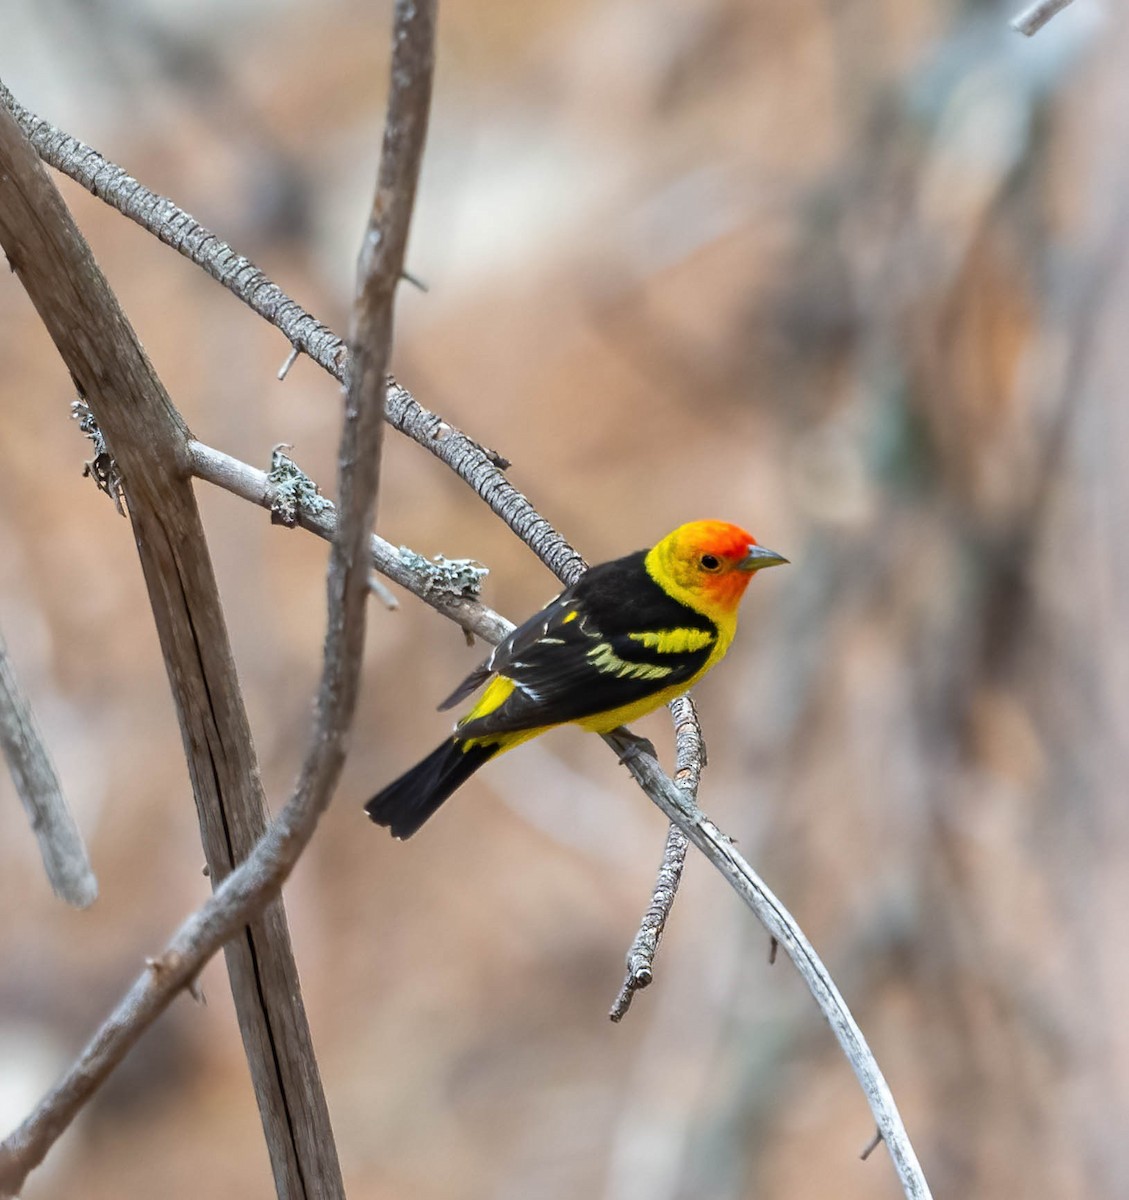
(630, 745)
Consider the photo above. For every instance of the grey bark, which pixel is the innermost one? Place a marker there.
(149, 442)
(60, 843)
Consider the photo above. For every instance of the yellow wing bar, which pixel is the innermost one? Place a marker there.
(607, 662)
(675, 641)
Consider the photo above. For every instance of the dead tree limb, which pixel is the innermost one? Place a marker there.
(149, 441)
(60, 843)
(478, 466)
(248, 482)
(258, 879)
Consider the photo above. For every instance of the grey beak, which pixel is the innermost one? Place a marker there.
(760, 557)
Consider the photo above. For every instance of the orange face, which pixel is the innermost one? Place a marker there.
(713, 560)
(717, 550)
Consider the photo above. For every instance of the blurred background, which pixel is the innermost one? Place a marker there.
(849, 272)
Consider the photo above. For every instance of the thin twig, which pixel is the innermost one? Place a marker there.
(60, 842)
(1032, 19)
(690, 758)
(720, 851)
(291, 359)
(477, 465)
(871, 1146)
(383, 594)
(259, 878)
(641, 954)
(248, 482)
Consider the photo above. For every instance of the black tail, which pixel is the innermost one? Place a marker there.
(403, 806)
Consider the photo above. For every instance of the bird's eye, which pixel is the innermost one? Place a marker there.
(710, 562)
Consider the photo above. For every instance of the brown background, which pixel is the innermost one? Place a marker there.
(850, 273)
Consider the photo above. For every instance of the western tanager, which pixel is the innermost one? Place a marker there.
(628, 636)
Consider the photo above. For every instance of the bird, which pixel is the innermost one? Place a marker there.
(627, 637)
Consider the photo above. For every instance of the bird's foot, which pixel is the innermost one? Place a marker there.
(630, 745)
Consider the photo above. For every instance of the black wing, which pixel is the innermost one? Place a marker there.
(524, 635)
(577, 657)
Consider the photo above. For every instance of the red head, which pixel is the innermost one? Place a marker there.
(708, 565)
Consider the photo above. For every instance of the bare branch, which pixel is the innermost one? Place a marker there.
(258, 879)
(178, 229)
(690, 758)
(1032, 19)
(60, 842)
(478, 466)
(148, 441)
(379, 266)
(720, 851)
(250, 483)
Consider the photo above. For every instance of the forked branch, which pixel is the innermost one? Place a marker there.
(260, 877)
(721, 852)
(147, 441)
(676, 802)
(472, 462)
(690, 758)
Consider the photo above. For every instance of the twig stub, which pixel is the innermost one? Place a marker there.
(291, 359)
(1032, 19)
(871, 1146)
